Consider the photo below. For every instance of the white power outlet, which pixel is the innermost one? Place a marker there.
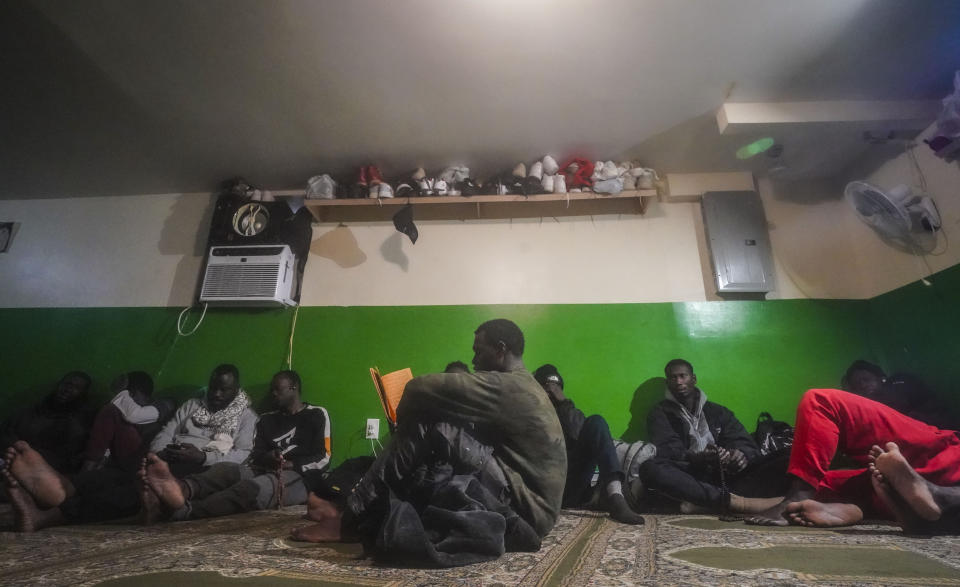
(373, 428)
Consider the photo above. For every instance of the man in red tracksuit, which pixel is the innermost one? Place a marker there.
(830, 420)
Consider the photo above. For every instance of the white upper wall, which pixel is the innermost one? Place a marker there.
(147, 251)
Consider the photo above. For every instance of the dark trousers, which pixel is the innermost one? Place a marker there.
(766, 477)
(593, 449)
(417, 458)
(229, 488)
(104, 494)
(109, 493)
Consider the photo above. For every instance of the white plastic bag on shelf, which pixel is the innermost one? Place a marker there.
(948, 123)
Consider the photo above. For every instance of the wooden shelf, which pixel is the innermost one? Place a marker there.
(480, 206)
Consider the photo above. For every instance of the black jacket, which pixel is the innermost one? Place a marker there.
(671, 435)
(571, 420)
(301, 437)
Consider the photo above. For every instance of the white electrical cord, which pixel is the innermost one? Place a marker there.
(293, 327)
(180, 320)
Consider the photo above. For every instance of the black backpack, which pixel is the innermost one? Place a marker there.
(772, 436)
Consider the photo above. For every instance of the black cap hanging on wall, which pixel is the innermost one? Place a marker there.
(403, 221)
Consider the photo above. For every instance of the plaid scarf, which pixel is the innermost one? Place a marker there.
(225, 421)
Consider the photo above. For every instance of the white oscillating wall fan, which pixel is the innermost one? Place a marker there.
(898, 215)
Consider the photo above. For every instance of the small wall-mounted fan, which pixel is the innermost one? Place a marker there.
(899, 216)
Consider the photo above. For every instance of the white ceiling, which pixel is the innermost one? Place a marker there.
(130, 96)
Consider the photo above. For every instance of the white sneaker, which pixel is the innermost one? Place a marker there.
(380, 191)
(536, 170)
(609, 170)
(454, 174)
(426, 186)
(645, 179)
(550, 166)
(559, 184)
(548, 183)
(440, 187)
(520, 170)
(321, 187)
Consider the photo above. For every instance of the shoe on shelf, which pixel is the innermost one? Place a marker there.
(559, 184)
(418, 174)
(373, 175)
(408, 189)
(536, 170)
(440, 187)
(381, 190)
(547, 183)
(468, 187)
(550, 166)
(629, 182)
(321, 187)
(608, 170)
(426, 186)
(362, 177)
(530, 186)
(520, 170)
(608, 186)
(455, 174)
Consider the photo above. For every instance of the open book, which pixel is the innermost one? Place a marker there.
(390, 389)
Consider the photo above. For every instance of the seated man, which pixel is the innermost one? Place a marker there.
(124, 427)
(476, 467)
(589, 446)
(830, 420)
(456, 367)
(291, 443)
(703, 451)
(901, 391)
(42, 497)
(58, 426)
(204, 432)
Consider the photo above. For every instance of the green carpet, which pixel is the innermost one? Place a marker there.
(833, 561)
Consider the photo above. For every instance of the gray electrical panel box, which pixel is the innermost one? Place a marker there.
(738, 240)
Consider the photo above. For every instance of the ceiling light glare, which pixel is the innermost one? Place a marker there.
(755, 148)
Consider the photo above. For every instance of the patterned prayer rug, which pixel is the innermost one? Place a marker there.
(585, 548)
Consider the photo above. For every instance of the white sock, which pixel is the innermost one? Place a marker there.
(614, 487)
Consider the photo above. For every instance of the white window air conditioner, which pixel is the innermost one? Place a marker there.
(250, 275)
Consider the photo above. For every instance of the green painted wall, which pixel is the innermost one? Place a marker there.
(751, 356)
(917, 327)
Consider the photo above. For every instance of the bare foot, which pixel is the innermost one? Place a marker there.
(775, 515)
(47, 487)
(813, 513)
(319, 509)
(915, 491)
(151, 511)
(901, 511)
(753, 505)
(27, 516)
(325, 531)
(156, 475)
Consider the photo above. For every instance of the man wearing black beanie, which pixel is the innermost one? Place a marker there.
(589, 446)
